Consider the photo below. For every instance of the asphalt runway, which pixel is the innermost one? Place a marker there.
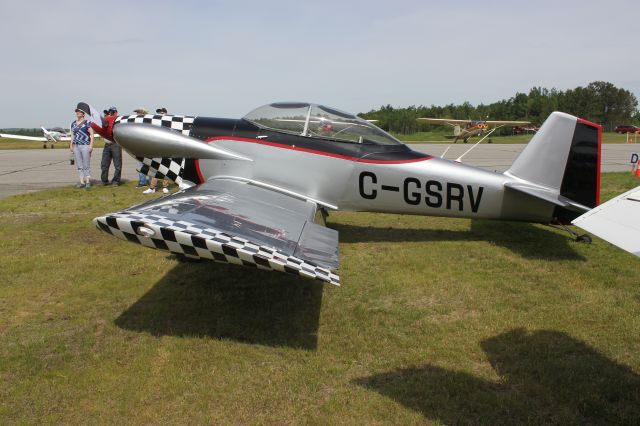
(498, 157)
(31, 170)
(28, 170)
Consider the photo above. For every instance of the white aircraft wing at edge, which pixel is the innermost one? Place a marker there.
(27, 138)
(616, 221)
(454, 121)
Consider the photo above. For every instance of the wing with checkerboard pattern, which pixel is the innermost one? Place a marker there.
(235, 222)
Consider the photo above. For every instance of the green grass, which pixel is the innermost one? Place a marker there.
(420, 137)
(8, 143)
(438, 321)
(438, 137)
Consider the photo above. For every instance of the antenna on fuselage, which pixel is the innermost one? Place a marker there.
(459, 159)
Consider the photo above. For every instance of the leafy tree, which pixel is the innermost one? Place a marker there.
(600, 101)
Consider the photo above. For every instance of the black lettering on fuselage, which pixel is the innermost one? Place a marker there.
(434, 198)
(373, 193)
(412, 198)
(435, 192)
(473, 199)
(457, 196)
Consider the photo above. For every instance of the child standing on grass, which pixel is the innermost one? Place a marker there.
(81, 145)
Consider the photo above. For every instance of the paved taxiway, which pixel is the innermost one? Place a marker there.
(28, 170)
(31, 170)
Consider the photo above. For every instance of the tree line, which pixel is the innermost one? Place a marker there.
(601, 102)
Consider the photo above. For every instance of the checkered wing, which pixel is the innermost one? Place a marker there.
(233, 222)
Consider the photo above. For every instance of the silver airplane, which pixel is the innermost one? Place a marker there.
(256, 190)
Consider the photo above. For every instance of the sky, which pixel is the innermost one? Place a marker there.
(225, 58)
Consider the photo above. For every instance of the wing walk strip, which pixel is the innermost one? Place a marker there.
(181, 237)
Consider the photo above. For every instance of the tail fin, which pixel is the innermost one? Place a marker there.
(48, 136)
(563, 158)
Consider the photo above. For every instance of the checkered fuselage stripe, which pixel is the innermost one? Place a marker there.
(171, 168)
(193, 241)
(180, 123)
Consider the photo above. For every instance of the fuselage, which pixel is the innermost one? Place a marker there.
(359, 176)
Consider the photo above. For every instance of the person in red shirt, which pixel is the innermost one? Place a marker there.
(111, 151)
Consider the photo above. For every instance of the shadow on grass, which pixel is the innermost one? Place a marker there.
(528, 240)
(227, 302)
(546, 377)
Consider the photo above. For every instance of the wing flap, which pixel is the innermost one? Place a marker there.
(318, 245)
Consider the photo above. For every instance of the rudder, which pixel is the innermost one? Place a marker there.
(564, 157)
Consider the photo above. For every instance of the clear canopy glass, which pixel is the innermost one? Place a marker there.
(315, 120)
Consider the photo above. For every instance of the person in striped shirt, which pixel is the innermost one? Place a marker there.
(81, 145)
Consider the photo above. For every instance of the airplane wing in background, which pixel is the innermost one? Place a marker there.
(444, 121)
(507, 123)
(225, 220)
(26, 138)
(453, 122)
(616, 221)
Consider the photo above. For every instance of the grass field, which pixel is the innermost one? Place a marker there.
(421, 137)
(7, 143)
(433, 137)
(438, 321)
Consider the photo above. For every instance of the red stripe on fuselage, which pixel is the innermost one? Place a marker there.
(313, 151)
(599, 127)
(199, 172)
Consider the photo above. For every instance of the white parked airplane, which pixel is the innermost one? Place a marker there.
(52, 135)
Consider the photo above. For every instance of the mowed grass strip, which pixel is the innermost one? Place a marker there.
(438, 321)
(440, 137)
(9, 143)
(420, 137)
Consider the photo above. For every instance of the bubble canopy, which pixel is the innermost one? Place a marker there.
(319, 121)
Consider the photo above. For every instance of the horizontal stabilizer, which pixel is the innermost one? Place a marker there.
(551, 195)
(616, 221)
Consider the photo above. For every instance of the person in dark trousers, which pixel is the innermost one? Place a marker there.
(111, 151)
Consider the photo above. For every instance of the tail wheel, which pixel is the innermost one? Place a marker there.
(584, 238)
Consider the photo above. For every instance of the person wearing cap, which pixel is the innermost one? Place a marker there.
(143, 179)
(81, 145)
(154, 181)
(111, 151)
